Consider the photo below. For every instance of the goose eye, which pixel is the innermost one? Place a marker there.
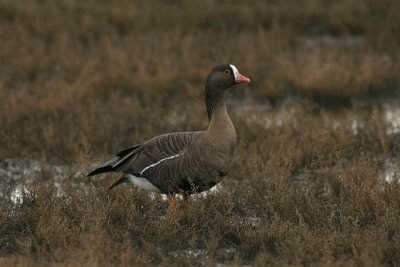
(227, 71)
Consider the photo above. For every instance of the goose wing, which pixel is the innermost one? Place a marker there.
(159, 151)
(140, 158)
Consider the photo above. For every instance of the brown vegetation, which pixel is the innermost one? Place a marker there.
(81, 79)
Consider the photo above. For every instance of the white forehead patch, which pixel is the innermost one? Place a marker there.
(235, 71)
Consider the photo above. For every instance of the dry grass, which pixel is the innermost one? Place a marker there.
(342, 215)
(81, 79)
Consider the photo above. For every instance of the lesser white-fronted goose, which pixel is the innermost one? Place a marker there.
(185, 162)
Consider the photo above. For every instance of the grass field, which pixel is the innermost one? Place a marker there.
(314, 180)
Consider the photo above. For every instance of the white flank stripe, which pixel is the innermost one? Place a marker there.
(161, 160)
(235, 71)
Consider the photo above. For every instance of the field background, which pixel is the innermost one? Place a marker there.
(315, 174)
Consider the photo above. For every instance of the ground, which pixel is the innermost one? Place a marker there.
(315, 175)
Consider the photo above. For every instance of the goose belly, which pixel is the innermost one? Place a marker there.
(143, 183)
(185, 173)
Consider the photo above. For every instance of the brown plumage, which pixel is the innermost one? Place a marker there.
(185, 162)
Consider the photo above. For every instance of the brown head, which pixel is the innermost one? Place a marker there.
(224, 76)
(221, 78)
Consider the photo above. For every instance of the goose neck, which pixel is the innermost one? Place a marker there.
(215, 102)
(219, 121)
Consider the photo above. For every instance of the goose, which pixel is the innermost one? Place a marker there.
(184, 162)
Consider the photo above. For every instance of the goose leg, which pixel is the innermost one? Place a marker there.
(186, 203)
(173, 207)
(186, 197)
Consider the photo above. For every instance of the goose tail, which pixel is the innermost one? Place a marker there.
(118, 161)
(101, 170)
(123, 179)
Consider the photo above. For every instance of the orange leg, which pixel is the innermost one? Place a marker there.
(173, 208)
(173, 202)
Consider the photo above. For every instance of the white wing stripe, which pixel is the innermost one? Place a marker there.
(121, 160)
(158, 162)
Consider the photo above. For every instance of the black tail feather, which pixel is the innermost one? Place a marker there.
(121, 180)
(101, 170)
(126, 151)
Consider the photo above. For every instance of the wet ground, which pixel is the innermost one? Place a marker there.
(21, 173)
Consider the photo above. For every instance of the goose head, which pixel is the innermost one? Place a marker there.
(225, 76)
